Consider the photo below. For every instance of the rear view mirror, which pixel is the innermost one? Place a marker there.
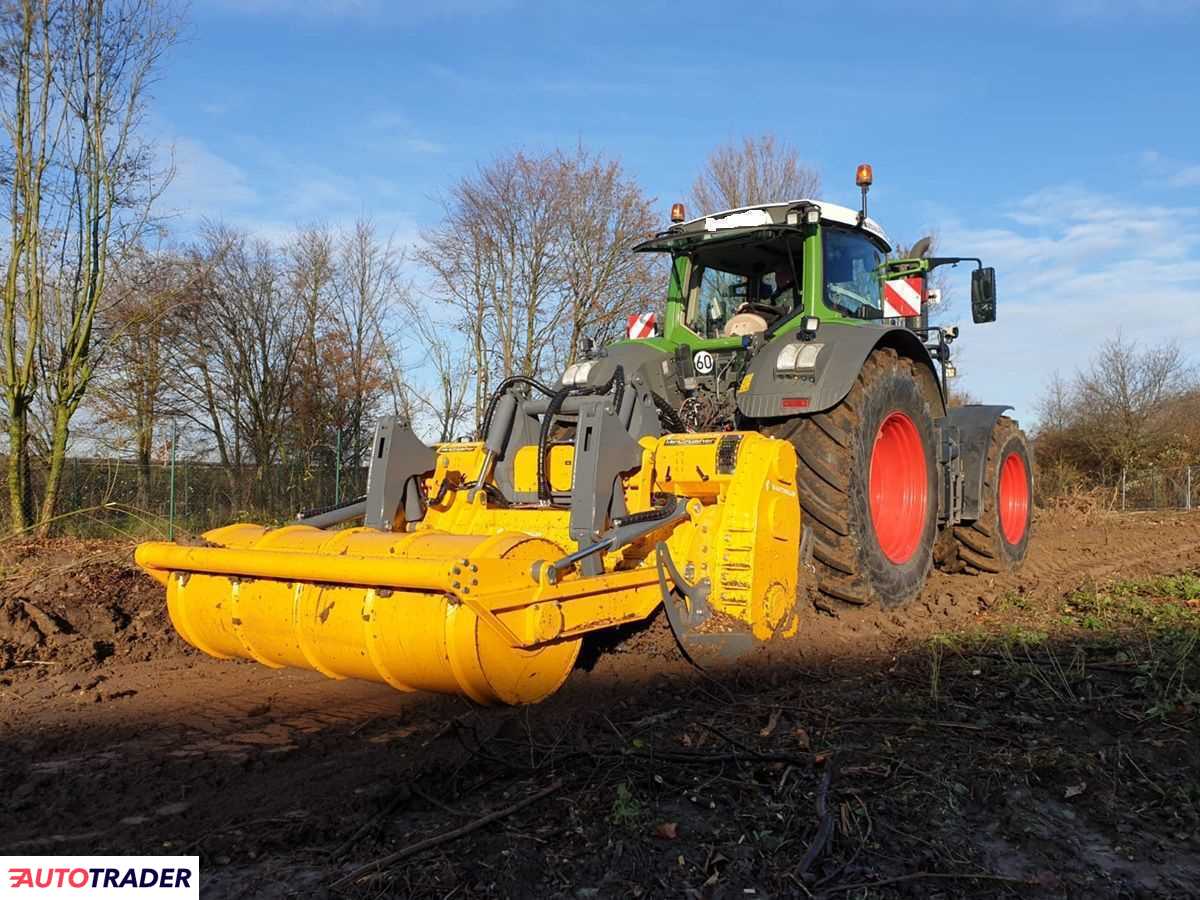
(983, 295)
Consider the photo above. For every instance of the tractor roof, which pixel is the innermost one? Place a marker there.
(768, 214)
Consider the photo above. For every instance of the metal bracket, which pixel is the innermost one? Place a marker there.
(603, 450)
(950, 473)
(398, 459)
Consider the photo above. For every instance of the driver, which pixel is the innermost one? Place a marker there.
(784, 281)
(754, 316)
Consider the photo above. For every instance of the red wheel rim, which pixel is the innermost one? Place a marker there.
(1014, 498)
(899, 487)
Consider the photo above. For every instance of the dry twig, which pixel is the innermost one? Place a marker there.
(376, 866)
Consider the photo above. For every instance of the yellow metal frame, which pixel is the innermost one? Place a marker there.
(452, 603)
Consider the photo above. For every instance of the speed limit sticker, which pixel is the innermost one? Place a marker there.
(703, 361)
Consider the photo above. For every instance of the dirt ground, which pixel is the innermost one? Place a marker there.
(1033, 735)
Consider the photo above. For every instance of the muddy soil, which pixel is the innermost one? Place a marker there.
(859, 761)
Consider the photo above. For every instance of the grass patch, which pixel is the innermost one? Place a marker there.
(1144, 633)
(1157, 604)
(626, 808)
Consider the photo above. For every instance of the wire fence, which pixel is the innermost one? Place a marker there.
(1158, 488)
(106, 496)
(113, 496)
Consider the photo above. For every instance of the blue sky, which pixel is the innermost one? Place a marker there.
(1058, 139)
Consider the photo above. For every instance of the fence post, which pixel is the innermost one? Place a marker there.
(337, 469)
(171, 494)
(1122, 489)
(1188, 501)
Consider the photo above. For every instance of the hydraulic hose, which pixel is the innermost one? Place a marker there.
(504, 386)
(650, 515)
(669, 416)
(552, 409)
(322, 510)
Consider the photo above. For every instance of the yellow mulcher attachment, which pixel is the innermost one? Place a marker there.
(480, 566)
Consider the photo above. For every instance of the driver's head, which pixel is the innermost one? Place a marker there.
(783, 277)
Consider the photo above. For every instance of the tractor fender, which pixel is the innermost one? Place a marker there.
(837, 353)
(975, 424)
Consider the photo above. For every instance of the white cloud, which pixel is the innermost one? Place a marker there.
(1170, 172)
(205, 184)
(271, 194)
(1073, 268)
(392, 130)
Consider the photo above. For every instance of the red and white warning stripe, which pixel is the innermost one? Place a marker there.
(902, 297)
(641, 326)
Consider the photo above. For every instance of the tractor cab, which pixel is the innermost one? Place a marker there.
(756, 270)
(759, 270)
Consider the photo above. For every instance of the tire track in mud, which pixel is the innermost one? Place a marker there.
(1128, 548)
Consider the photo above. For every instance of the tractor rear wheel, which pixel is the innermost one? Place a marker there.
(868, 484)
(999, 539)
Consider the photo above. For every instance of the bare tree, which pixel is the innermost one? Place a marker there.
(1130, 406)
(458, 256)
(605, 282)
(83, 184)
(238, 354)
(445, 394)
(495, 260)
(311, 260)
(138, 329)
(528, 245)
(753, 170)
(1126, 390)
(33, 119)
(368, 292)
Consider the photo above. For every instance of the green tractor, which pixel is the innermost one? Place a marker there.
(790, 319)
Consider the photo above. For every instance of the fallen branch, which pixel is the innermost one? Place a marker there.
(824, 834)
(916, 876)
(391, 807)
(706, 758)
(1115, 668)
(390, 859)
(892, 720)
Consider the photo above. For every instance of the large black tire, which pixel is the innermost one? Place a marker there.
(998, 540)
(836, 449)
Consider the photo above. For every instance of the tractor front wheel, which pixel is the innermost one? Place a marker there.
(998, 540)
(868, 484)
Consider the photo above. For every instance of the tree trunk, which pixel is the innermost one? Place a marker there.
(143, 475)
(58, 455)
(20, 491)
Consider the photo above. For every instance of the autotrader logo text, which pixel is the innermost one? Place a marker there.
(100, 876)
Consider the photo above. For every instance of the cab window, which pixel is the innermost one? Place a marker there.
(717, 293)
(852, 285)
